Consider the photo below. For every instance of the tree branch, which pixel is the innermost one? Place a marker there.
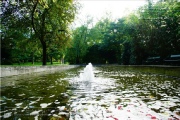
(32, 18)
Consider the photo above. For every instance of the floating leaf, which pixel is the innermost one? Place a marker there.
(53, 118)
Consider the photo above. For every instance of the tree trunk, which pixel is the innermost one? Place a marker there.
(62, 60)
(40, 32)
(33, 58)
(51, 60)
(77, 60)
(42, 38)
(44, 54)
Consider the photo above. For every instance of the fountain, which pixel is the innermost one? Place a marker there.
(87, 74)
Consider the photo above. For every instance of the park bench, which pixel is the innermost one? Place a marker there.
(152, 60)
(172, 60)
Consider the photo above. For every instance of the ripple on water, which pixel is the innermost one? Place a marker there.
(111, 95)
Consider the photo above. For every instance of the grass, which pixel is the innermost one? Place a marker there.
(35, 64)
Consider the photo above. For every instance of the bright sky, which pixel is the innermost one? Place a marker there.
(98, 8)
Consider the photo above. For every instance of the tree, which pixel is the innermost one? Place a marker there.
(51, 17)
(79, 45)
(159, 28)
(45, 20)
(15, 29)
(97, 41)
(80, 42)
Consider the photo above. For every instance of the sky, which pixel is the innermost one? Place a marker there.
(98, 8)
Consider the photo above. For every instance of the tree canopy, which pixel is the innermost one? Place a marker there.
(32, 20)
(38, 30)
(153, 30)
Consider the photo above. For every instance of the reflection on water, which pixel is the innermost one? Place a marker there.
(34, 96)
(115, 93)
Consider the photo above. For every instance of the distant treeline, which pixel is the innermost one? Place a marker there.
(150, 35)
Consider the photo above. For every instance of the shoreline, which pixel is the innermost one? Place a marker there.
(7, 71)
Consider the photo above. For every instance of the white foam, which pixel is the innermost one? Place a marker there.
(87, 73)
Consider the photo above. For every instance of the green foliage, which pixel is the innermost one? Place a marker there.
(153, 30)
(50, 20)
(82, 39)
(15, 31)
(30, 29)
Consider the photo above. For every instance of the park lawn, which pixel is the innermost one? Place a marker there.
(35, 64)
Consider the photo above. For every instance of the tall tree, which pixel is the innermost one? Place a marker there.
(48, 20)
(51, 17)
(80, 42)
(15, 28)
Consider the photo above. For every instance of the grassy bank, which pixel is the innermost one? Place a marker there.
(35, 64)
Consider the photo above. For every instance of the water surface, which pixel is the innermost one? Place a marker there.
(115, 93)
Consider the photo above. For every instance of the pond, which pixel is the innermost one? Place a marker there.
(92, 93)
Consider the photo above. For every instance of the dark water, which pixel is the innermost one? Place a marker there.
(115, 93)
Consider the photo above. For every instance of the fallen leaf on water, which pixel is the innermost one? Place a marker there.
(178, 113)
(119, 107)
(53, 118)
(108, 111)
(153, 118)
(151, 96)
(113, 117)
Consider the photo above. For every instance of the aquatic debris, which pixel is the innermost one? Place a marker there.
(63, 109)
(44, 105)
(18, 104)
(55, 117)
(52, 111)
(21, 94)
(112, 117)
(51, 96)
(64, 95)
(35, 112)
(32, 102)
(128, 108)
(57, 102)
(65, 114)
(111, 95)
(7, 115)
